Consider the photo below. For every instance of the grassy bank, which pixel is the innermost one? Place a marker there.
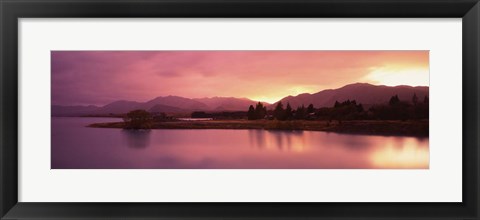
(395, 128)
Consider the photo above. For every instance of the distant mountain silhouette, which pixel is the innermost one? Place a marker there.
(168, 104)
(174, 101)
(117, 107)
(363, 93)
(164, 108)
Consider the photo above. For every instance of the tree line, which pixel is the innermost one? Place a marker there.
(395, 109)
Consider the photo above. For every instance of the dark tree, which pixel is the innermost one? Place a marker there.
(251, 113)
(337, 104)
(138, 119)
(160, 116)
(346, 110)
(300, 113)
(260, 111)
(279, 112)
(201, 114)
(394, 100)
(360, 108)
(288, 112)
(310, 108)
(414, 99)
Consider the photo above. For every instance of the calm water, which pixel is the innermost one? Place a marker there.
(79, 147)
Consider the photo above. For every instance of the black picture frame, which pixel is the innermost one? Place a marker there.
(12, 10)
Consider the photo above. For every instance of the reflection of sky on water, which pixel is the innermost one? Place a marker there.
(77, 146)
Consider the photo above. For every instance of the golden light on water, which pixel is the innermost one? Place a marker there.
(408, 155)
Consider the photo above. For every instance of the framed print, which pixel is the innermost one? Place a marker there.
(223, 109)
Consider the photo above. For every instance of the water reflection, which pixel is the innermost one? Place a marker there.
(277, 140)
(77, 146)
(401, 153)
(136, 138)
(257, 138)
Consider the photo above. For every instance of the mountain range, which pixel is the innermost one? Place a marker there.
(364, 93)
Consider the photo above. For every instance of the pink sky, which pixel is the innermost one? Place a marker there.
(100, 77)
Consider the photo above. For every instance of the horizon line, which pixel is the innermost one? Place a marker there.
(250, 99)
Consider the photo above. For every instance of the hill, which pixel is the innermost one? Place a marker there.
(364, 93)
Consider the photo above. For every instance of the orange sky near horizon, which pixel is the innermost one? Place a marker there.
(100, 77)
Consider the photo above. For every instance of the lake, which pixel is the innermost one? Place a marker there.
(75, 146)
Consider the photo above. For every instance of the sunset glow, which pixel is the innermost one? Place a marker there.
(101, 77)
(406, 155)
(204, 110)
(396, 77)
(277, 95)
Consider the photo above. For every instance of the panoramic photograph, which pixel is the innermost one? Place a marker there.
(234, 109)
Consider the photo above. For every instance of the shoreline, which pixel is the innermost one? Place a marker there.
(366, 127)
